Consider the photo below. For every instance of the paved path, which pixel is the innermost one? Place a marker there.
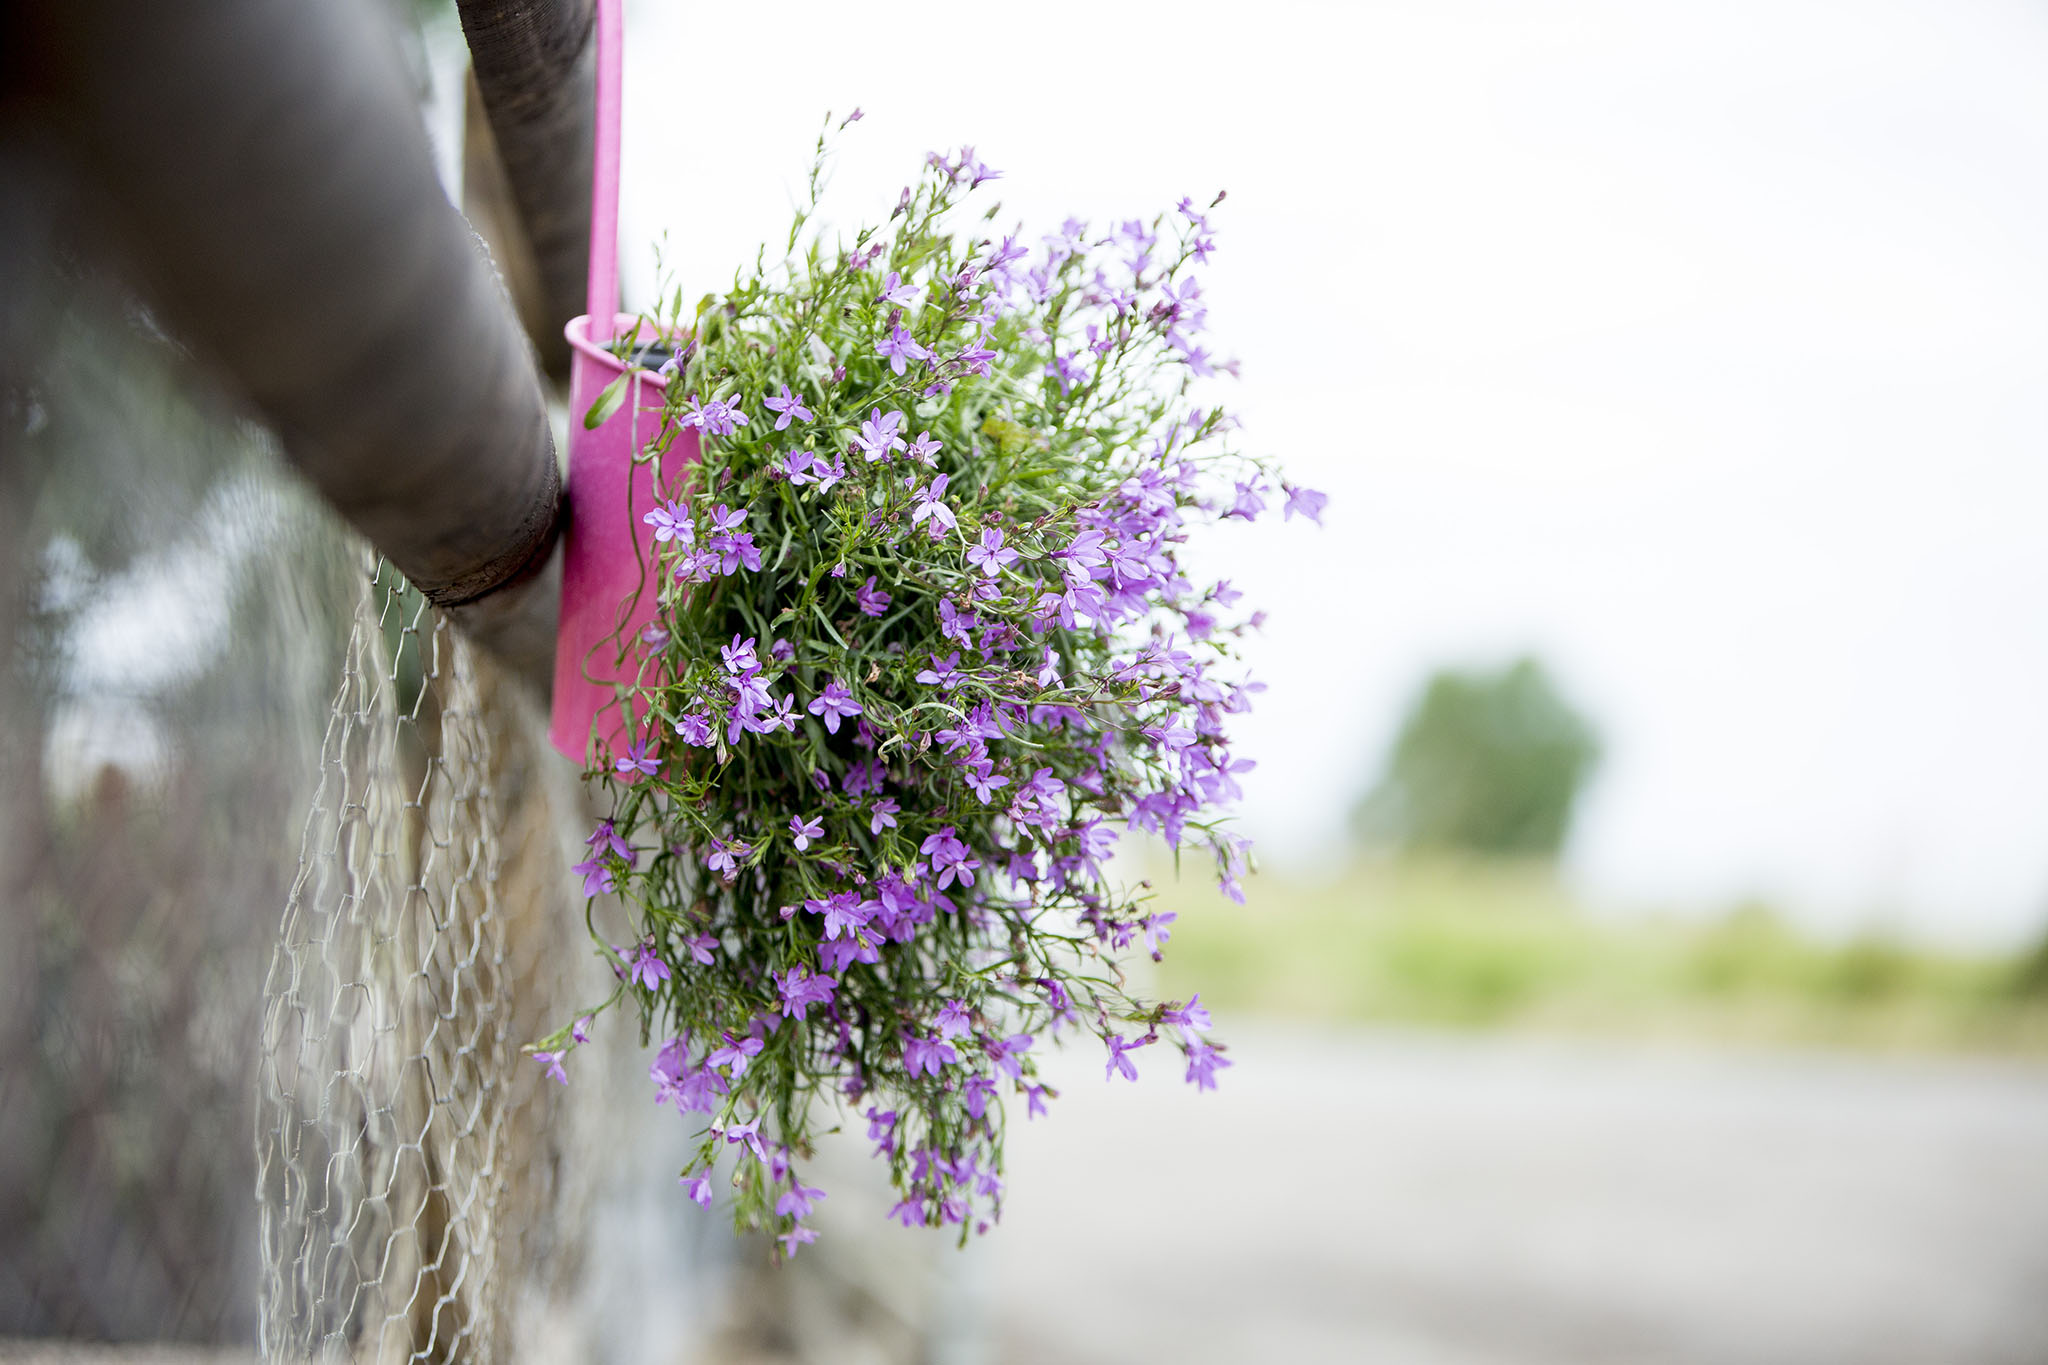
(1411, 1200)
(1442, 1201)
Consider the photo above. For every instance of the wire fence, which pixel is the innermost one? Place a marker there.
(401, 1166)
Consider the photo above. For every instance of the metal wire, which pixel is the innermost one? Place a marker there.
(424, 1197)
(389, 1072)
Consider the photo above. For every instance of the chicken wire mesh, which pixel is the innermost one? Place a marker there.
(401, 1158)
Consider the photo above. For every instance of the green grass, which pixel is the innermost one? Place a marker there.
(1489, 945)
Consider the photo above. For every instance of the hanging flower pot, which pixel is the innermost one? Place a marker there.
(918, 649)
(616, 407)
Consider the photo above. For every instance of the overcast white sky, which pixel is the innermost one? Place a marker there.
(1702, 348)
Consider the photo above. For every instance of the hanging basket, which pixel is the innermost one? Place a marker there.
(608, 553)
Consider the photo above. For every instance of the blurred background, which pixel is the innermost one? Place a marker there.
(1648, 959)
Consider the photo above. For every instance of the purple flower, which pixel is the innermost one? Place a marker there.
(789, 406)
(1306, 501)
(1004, 1054)
(553, 1062)
(596, 874)
(1068, 240)
(952, 1019)
(880, 434)
(975, 170)
(739, 657)
(699, 1188)
(1007, 254)
(1153, 931)
(898, 293)
(833, 702)
(899, 347)
(689, 1088)
(724, 857)
(1248, 503)
(924, 449)
(716, 418)
(733, 548)
(670, 522)
(654, 637)
(950, 858)
(980, 776)
(580, 1030)
(701, 947)
(695, 728)
(1068, 370)
(737, 552)
(1204, 1061)
(797, 1236)
(884, 813)
(991, 556)
(746, 1134)
(800, 989)
(802, 831)
(928, 505)
(795, 464)
(736, 1053)
(944, 674)
(798, 1201)
(827, 474)
(1192, 1019)
(697, 567)
(637, 761)
(646, 968)
(845, 913)
(1118, 1062)
(955, 624)
(862, 777)
(927, 1055)
(871, 600)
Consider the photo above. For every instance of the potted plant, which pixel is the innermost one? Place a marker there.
(923, 649)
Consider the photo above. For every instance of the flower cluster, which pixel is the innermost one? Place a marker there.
(927, 650)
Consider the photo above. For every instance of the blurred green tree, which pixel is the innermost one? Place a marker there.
(2030, 975)
(1487, 762)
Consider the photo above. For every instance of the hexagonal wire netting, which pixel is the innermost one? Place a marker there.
(395, 1176)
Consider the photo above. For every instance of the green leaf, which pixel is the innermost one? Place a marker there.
(607, 402)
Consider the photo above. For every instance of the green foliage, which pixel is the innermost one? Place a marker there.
(1487, 762)
(2030, 974)
(1468, 943)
